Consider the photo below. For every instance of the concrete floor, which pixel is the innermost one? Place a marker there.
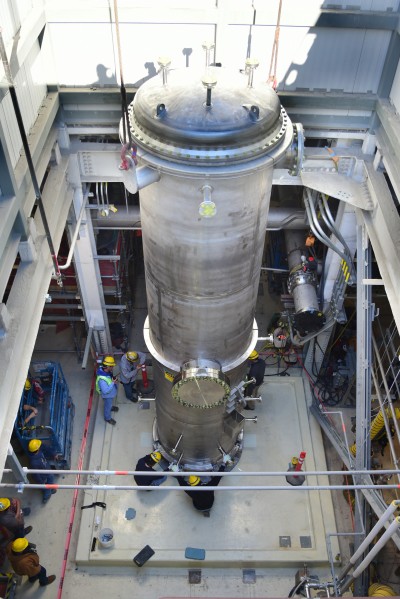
(254, 541)
(243, 537)
(246, 528)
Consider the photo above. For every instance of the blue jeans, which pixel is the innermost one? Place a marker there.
(108, 402)
(130, 391)
(42, 577)
(47, 492)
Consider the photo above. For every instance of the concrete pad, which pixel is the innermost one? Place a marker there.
(246, 528)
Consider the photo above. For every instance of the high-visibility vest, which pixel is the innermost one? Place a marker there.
(103, 378)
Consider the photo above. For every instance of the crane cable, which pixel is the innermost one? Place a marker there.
(274, 54)
(127, 135)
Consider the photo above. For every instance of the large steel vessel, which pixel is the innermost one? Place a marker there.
(213, 141)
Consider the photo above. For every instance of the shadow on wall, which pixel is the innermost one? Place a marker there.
(151, 71)
(105, 77)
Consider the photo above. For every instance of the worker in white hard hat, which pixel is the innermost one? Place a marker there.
(256, 371)
(130, 365)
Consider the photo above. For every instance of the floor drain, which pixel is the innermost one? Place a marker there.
(194, 576)
(249, 576)
(285, 542)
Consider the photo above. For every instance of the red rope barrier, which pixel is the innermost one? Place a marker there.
(75, 496)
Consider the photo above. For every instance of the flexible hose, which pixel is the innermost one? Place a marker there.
(381, 590)
(377, 424)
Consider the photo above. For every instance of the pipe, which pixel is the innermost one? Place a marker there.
(368, 539)
(21, 486)
(316, 229)
(278, 218)
(145, 176)
(28, 156)
(332, 224)
(76, 232)
(228, 474)
(376, 548)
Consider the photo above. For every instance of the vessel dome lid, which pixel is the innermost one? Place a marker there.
(206, 119)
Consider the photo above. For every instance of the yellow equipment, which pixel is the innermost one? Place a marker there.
(156, 456)
(193, 480)
(19, 545)
(109, 361)
(34, 445)
(4, 504)
(132, 356)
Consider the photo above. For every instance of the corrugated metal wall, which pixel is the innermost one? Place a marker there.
(382, 5)
(28, 82)
(310, 58)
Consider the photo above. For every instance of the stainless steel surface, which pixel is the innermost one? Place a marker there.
(240, 123)
(203, 226)
(302, 285)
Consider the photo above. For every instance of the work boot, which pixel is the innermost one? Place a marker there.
(111, 421)
(26, 511)
(53, 491)
(27, 530)
(114, 409)
(50, 579)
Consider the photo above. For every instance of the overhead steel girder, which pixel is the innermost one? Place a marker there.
(20, 317)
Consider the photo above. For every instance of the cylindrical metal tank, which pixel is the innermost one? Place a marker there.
(214, 143)
(302, 284)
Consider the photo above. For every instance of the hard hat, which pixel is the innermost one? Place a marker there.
(34, 445)
(108, 361)
(253, 355)
(132, 356)
(156, 456)
(19, 545)
(4, 503)
(27, 385)
(193, 480)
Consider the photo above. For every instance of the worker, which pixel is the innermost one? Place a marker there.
(106, 386)
(38, 454)
(131, 363)
(256, 371)
(31, 412)
(146, 464)
(24, 560)
(202, 500)
(34, 391)
(12, 517)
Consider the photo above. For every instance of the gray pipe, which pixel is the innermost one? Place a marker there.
(381, 522)
(369, 557)
(278, 218)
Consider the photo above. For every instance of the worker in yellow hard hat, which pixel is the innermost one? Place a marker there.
(12, 517)
(38, 454)
(129, 367)
(147, 464)
(256, 371)
(202, 500)
(106, 387)
(25, 561)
